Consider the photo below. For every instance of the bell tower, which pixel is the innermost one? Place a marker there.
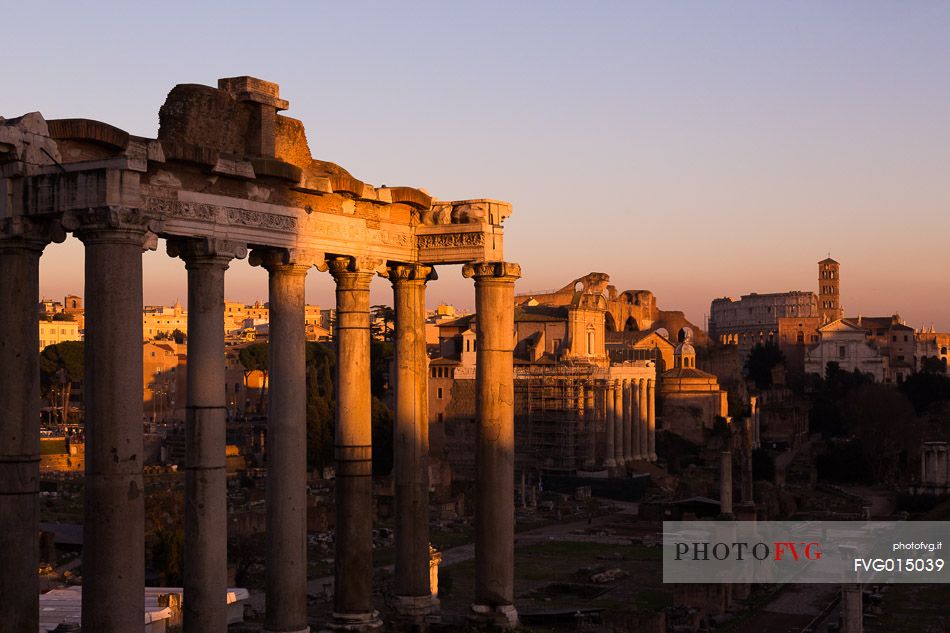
(829, 290)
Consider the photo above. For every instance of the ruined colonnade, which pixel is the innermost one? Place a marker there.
(627, 407)
(206, 195)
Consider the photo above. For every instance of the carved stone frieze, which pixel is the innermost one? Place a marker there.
(219, 213)
(450, 240)
(260, 218)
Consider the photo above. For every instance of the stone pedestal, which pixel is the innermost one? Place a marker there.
(205, 577)
(494, 448)
(412, 596)
(353, 595)
(114, 525)
(286, 453)
(20, 252)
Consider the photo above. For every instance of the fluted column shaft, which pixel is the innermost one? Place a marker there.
(113, 557)
(19, 435)
(643, 428)
(286, 490)
(725, 485)
(651, 421)
(495, 436)
(627, 424)
(609, 459)
(618, 422)
(205, 574)
(591, 421)
(411, 588)
(353, 440)
(636, 449)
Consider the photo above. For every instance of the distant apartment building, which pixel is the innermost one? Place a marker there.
(164, 379)
(164, 320)
(59, 331)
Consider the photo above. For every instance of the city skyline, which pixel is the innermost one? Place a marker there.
(723, 157)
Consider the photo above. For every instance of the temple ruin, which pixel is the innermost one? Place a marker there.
(229, 177)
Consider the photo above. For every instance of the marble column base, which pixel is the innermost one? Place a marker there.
(504, 616)
(415, 609)
(355, 621)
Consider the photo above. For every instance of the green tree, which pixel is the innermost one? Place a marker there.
(882, 421)
(321, 405)
(61, 365)
(933, 365)
(381, 318)
(925, 389)
(760, 363)
(254, 358)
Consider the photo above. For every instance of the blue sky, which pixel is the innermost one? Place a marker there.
(696, 149)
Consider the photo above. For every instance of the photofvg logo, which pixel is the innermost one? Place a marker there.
(803, 552)
(760, 551)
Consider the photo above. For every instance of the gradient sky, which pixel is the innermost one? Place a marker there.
(696, 149)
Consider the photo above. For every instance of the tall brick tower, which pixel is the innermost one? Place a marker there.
(829, 290)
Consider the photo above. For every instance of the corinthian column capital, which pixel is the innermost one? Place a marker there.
(398, 273)
(492, 271)
(31, 233)
(354, 273)
(114, 224)
(292, 259)
(206, 250)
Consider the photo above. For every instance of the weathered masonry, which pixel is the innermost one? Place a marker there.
(228, 176)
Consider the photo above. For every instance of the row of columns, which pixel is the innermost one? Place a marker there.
(630, 415)
(114, 520)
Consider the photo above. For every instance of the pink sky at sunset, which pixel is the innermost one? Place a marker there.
(692, 149)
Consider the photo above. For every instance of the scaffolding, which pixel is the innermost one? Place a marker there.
(555, 414)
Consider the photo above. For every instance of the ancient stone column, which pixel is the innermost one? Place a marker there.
(747, 484)
(591, 419)
(650, 451)
(609, 459)
(353, 594)
(412, 596)
(495, 437)
(636, 449)
(627, 424)
(205, 574)
(725, 485)
(923, 465)
(852, 609)
(286, 489)
(618, 422)
(113, 557)
(21, 245)
(643, 426)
